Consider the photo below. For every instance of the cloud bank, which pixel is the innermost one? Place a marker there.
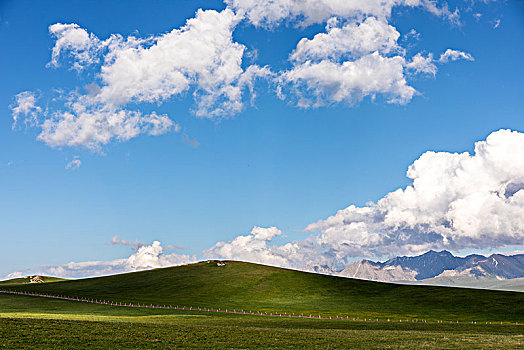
(146, 257)
(455, 201)
(357, 57)
(200, 56)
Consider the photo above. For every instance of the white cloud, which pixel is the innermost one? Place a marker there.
(146, 257)
(116, 240)
(257, 247)
(74, 164)
(350, 40)
(267, 13)
(412, 35)
(496, 24)
(327, 82)
(200, 55)
(25, 108)
(443, 11)
(82, 47)
(83, 123)
(152, 256)
(253, 247)
(456, 201)
(453, 55)
(420, 64)
(92, 127)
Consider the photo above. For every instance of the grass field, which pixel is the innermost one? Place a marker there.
(33, 322)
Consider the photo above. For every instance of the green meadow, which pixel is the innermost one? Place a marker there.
(398, 316)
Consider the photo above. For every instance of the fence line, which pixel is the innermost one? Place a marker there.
(241, 312)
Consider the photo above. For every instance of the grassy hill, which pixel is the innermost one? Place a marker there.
(27, 280)
(240, 285)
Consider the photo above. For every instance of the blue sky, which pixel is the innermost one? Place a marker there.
(271, 164)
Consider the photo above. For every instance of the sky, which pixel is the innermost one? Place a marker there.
(139, 134)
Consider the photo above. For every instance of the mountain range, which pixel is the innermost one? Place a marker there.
(496, 271)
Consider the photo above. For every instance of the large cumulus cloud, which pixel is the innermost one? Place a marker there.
(455, 201)
(347, 63)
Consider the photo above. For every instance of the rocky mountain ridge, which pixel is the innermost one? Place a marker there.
(438, 267)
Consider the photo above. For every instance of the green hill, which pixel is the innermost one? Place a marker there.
(239, 285)
(27, 280)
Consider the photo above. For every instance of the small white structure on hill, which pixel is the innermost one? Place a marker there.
(35, 279)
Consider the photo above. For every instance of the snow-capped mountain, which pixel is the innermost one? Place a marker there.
(440, 268)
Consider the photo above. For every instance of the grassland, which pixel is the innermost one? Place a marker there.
(32, 322)
(241, 334)
(241, 285)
